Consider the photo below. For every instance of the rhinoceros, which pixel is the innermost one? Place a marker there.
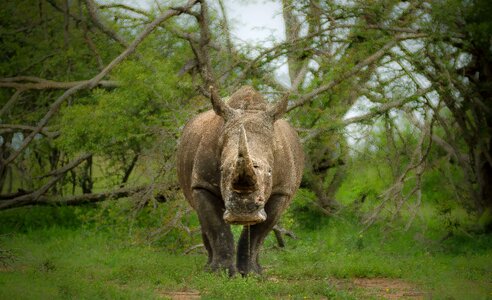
(239, 163)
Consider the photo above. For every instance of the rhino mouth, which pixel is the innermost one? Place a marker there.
(245, 219)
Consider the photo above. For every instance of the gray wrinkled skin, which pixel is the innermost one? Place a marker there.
(241, 167)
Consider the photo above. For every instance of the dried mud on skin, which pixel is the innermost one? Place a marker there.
(384, 288)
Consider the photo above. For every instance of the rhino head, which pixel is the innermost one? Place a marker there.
(247, 159)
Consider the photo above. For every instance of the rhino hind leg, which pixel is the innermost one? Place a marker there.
(216, 234)
(252, 237)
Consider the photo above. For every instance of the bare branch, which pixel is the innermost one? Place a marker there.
(226, 28)
(190, 249)
(11, 101)
(370, 115)
(386, 107)
(57, 175)
(74, 200)
(14, 127)
(92, 10)
(35, 83)
(96, 79)
(355, 70)
(125, 7)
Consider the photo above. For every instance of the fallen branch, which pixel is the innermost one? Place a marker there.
(35, 195)
(74, 200)
(9, 196)
(198, 246)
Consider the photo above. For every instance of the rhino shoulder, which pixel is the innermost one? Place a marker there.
(289, 159)
(197, 153)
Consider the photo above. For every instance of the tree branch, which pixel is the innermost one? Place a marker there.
(125, 7)
(35, 83)
(15, 127)
(89, 84)
(11, 101)
(385, 107)
(356, 69)
(92, 10)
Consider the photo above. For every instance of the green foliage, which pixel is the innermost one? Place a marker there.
(93, 260)
(133, 248)
(303, 213)
(469, 17)
(23, 220)
(128, 118)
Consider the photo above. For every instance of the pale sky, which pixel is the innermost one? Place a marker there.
(255, 21)
(258, 22)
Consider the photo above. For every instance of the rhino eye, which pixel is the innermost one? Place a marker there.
(256, 166)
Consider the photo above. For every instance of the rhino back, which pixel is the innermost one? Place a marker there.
(199, 154)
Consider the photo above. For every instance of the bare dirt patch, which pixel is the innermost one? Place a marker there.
(6, 269)
(384, 288)
(180, 295)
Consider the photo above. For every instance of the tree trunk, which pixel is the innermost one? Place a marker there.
(86, 182)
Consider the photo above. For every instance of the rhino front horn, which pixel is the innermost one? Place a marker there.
(245, 176)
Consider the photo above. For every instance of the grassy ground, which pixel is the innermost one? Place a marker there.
(59, 254)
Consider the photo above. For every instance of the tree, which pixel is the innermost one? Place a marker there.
(417, 74)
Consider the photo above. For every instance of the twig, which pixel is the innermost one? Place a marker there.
(187, 251)
(14, 127)
(92, 10)
(355, 70)
(22, 83)
(57, 175)
(96, 79)
(11, 101)
(279, 231)
(126, 7)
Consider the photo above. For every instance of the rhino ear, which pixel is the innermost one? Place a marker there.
(278, 109)
(220, 107)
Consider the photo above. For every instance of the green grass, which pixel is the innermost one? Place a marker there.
(61, 255)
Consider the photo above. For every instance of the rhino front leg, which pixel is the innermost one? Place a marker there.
(216, 234)
(252, 237)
